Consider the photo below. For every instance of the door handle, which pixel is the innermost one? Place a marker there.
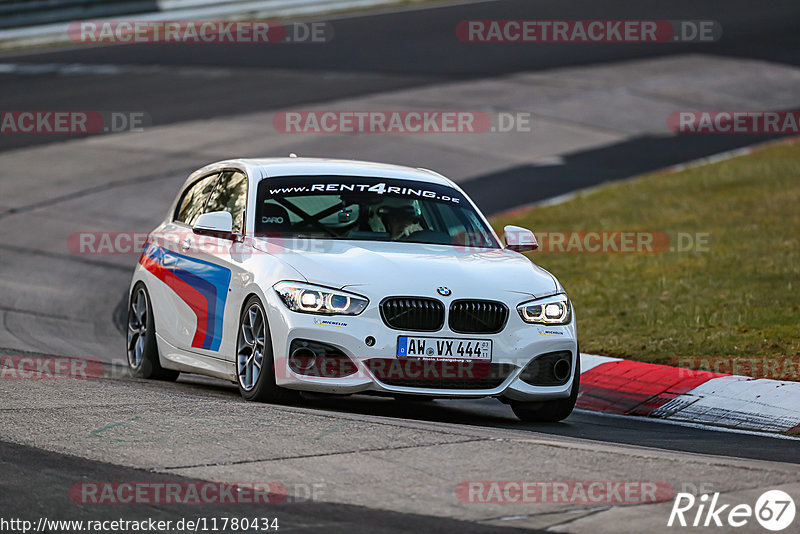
(185, 244)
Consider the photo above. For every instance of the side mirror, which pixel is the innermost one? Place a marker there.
(219, 223)
(519, 239)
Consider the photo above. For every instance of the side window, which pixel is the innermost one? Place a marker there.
(194, 198)
(230, 195)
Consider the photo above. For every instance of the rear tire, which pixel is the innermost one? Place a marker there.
(255, 364)
(142, 347)
(551, 411)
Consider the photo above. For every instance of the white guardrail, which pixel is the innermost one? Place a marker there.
(42, 22)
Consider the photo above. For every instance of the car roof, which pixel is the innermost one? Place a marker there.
(291, 166)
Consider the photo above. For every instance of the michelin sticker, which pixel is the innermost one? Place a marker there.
(550, 332)
(326, 322)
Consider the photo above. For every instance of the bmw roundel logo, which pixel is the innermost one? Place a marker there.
(443, 291)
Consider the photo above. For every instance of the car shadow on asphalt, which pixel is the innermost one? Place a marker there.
(485, 412)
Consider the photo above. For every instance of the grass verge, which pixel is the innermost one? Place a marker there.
(734, 296)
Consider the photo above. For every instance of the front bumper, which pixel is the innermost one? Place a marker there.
(513, 349)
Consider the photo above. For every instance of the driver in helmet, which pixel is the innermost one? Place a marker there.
(397, 216)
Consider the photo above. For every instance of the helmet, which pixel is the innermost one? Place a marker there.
(399, 208)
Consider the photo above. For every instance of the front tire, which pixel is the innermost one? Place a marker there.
(142, 347)
(551, 411)
(255, 364)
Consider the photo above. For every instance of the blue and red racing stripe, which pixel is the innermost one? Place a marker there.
(200, 284)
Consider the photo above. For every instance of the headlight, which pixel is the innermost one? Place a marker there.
(548, 310)
(307, 298)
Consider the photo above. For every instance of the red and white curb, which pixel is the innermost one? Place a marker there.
(635, 388)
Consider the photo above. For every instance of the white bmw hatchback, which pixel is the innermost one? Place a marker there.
(296, 274)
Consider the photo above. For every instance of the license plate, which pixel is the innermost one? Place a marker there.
(444, 348)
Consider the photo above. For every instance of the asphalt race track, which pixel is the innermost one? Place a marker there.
(180, 84)
(386, 465)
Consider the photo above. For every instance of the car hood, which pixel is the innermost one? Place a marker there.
(392, 268)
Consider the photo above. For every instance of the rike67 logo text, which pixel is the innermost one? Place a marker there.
(774, 510)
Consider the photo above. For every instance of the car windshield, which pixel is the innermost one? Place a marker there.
(368, 209)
